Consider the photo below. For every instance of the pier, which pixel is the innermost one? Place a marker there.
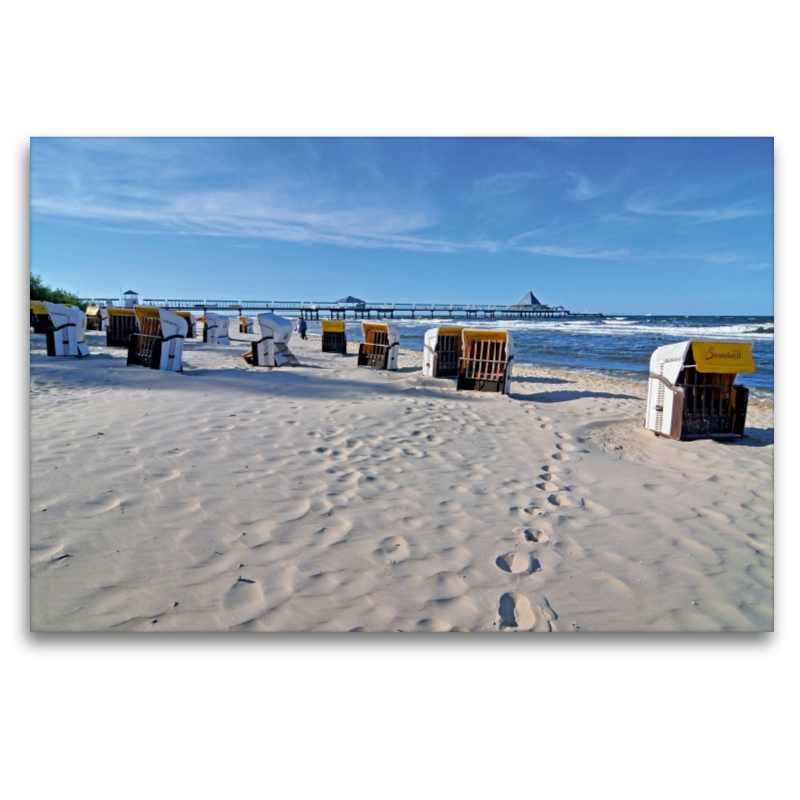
(313, 310)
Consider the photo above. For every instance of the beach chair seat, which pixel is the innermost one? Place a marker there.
(442, 351)
(67, 334)
(120, 326)
(158, 344)
(691, 392)
(334, 338)
(215, 330)
(380, 347)
(272, 348)
(486, 362)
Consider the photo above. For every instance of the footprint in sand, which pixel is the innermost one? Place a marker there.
(516, 612)
(535, 511)
(559, 500)
(546, 426)
(566, 447)
(562, 435)
(548, 486)
(518, 563)
(560, 456)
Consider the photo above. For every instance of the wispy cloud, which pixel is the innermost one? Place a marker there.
(572, 252)
(584, 189)
(504, 183)
(650, 206)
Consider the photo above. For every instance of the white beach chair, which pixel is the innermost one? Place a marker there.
(67, 336)
(380, 347)
(486, 363)
(159, 342)
(247, 324)
(272, 349)
(442, 350)
(216, 329)
(691, 392)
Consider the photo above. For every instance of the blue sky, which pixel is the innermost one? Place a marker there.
(621, 226)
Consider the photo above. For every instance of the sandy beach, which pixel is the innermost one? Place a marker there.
(330, 497)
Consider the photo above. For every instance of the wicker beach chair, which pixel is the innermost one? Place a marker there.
(334, 338)
(442, 350)
(380, 347)
(691, 392)
(67, 334)
(215, 330)
(485, 365)
(158, 344)
(272, 349)
(40, 319)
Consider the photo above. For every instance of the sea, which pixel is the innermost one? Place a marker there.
(618, 347)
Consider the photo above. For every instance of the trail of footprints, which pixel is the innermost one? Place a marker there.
(523, 612)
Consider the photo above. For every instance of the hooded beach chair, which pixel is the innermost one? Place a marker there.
(334, 338)
(691, 392)
(40, 319)
(216, 329)
(380, 346)
(442, 350)
(272, 349)
(247, 324)
(158, 344)
(485, 365)
(191, 323)
(120, 326)
(95, 318)
(67, 334)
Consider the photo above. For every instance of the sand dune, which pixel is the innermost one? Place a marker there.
(334, 498)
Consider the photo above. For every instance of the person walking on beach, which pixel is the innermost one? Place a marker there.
(301, 327)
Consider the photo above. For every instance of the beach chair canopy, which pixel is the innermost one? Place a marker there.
(279, 329)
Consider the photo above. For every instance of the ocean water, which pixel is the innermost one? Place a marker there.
(618, 347)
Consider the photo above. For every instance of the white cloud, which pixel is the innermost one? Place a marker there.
(571, 252)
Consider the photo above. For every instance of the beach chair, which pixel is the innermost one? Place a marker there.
(95, 318)
(158, 344)
(485, 365)
(121, 325)
(380, 347)
(272, 349)
(691, 392)
(216, 329)
(247, 324)
(67, 334)
(334, 338)
(191, 323)
(40, 319)
(442, 350)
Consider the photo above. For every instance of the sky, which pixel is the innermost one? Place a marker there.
(610, 225)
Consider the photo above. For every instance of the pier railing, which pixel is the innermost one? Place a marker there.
(336, 310)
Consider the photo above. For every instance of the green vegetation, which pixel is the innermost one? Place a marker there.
(41, 291)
